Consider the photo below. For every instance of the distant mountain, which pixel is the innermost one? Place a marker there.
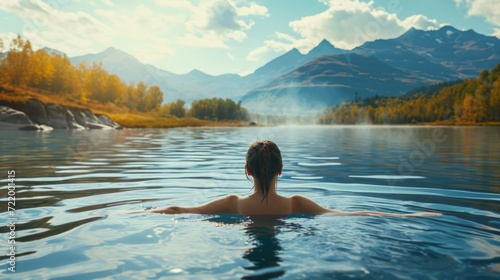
(190, 86)
(387, 67)
(53, 51)
(125, 65)
(291, 60)
(328, 80)
(196, 84)
(323, 48)
(446, 54)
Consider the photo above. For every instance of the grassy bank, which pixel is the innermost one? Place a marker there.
(123, 116)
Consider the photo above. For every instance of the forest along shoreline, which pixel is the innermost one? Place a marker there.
(28, 109)
(33, 109)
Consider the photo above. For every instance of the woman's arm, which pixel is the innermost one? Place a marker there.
(224, 205)
(375, 213)
(301, 204)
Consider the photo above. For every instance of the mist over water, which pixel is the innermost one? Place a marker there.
(285, 119)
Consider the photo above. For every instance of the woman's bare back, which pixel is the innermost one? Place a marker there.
(273, 205)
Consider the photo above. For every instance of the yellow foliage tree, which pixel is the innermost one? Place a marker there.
(18, 62)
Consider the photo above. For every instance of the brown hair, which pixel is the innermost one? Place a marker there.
(264, 162)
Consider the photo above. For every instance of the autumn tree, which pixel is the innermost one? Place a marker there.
(218, 109)
(18, 62)
(177, 108)
(113, 89)
(494, 102)
(42, 70)
(154, 98)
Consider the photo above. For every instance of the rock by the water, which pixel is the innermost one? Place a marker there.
(81, 116)
(104, 119)
(87, 119)
(72, 123)
(13, 119)
(35, 109)
(38, 115)
(57, 116)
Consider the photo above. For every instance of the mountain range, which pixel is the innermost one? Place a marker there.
(297, 83)
(387, 67)
(196, 84)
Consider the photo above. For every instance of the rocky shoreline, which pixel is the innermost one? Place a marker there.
(35, 115)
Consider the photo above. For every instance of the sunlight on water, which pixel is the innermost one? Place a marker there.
(75, 191)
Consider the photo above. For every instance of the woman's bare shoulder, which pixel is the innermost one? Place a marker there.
(302, 204)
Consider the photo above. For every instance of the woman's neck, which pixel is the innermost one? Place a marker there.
(272, 188)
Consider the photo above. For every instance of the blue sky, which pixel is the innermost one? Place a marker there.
(229, 36)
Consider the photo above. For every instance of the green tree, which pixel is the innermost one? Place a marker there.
(177, 108)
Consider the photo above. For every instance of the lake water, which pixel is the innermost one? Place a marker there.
(74, 187)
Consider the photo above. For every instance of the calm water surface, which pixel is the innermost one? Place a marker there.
(74, 189)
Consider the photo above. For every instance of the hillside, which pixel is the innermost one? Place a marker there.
(467, 102)
(329, 80)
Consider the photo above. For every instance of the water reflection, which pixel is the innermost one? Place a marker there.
(265, 255)
(264, 233)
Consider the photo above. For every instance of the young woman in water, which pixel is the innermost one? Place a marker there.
(264, 165)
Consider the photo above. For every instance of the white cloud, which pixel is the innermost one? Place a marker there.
(224, 19)
(488, 9)
(219, 16)
(143, 24)
(176, 4)
(257, 53)
(350, 23)
(109, 3)
(346, 24)
(77, 33)
(45, 25)
(253, 10)
(139, 23)
(420, 22)
(230, 56)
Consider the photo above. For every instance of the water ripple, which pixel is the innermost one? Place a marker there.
(75, 192)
